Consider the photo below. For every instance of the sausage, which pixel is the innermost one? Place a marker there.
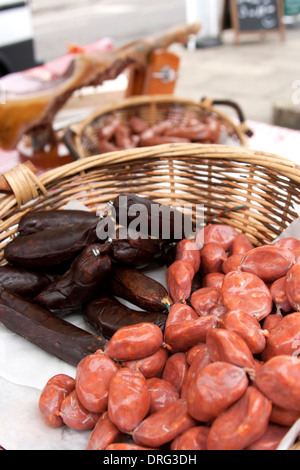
(108, 129)
(192, 353)
(248, 328)
(79, 284)
(279, 380)
(55, 391)
(75, 416)
(162, 394)
(158, 220)
(232, 263)
(179, 280)
(125, 446)
(180, 312)
(271, 438)
(227, 346)
(137, 252)
(134, 342)
(284, 417)
(187, 250)
(213, 256)
(50, 247)
(205, 300)
(271, 321)
(284, 339)
(278, 291)
(164, 426)
(123, 137)
(247, 292)
(93, 376)
(37, 221)
(193, 133)
(241, 245)
(201, 360)
(220, 234)
(192, 439)
(175, 370)
(151, 366)
(292, 287)
(104, 146)
(50, 333)
(242, 424)
(104, 433)
(267, 262)
(106, 315)
(128, 399)
(184, 335)
(138, 125)
(214, 389)
(21, 281)
(289, 243)
(213, 280)
(136, 287)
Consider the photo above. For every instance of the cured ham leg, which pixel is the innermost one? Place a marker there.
(31, 103)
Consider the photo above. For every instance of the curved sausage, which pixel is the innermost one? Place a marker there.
(187, 250)
(192, 439)
(175, 370)
(227, 346)
(284, 417)
(194, 351)
(284, 339)
(200, 360)
(271, 438)
(241, 245)
(162, 394)
(183, 336)
(134, 342)
(213, 280)
(52, 396)
(242, 424)
(151, 366)
(288, 243)
(204, 300)
(180, 312)
(164, 426)
(278, 291)
(247, 292)
(212, 258)
(214, 389)
(267, 262)
(292, 288)
(104, 433)
(93, 376)
(223, 235)
(232, 263)
(248, 328)
(128, 399)
(75, 415)
(279, 380)
(179, 280)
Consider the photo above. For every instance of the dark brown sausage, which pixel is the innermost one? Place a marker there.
(50, 333)
(22, 281)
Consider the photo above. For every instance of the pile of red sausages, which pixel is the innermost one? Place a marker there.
(118, 134)
(210, 363)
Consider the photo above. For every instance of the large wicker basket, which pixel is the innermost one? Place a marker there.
(262, 187)
(82, 138)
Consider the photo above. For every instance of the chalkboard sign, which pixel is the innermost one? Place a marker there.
(254, 16)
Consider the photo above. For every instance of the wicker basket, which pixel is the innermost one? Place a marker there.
(82, 139)
(220, 177)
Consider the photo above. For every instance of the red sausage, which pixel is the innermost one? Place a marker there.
(278, 291)
(187, 250)
(233, 263)
(279, 380)
(93, 376)
(223, 235)
(192, 439)
(247, 292)
(164, 426)
(75, 415)
(212, 258)
(54, 392)
(284, 417)
(269, 263)
(183, 336)
(241, 245)
(134, 342)
(128, 399)
(284, 339)
(162, 394)
(201, 360)
(104, 433)
(151, 366)
(180, 312)
(175, 370)
(227, 346)
(179, 280)
(248, 328)
(194, 351)
(213, 280)
(124, 446)
(271, 321)
(242, 424)
(204, 300)
(288, 243)
(271, 439)
(292, 287)
(215, 388)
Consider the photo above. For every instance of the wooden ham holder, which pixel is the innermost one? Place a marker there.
(158, 78)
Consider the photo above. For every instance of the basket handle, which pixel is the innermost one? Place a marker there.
(236, 107)
(67, 140)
